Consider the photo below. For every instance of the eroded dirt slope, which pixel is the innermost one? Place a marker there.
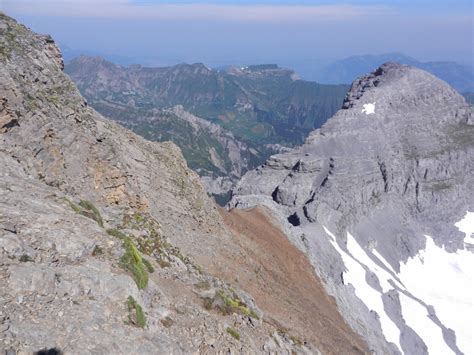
(283, 283)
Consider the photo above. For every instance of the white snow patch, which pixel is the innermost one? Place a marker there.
(359, 254)
(355, 275)
(466, 225)
(444, 280)
(438, 278)
(416, 317)
(369, 108)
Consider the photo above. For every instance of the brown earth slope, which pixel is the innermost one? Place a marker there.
(282, 281)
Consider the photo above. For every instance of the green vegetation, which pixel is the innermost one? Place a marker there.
(7, 43)
(97, 251)
(114, 232)
(87, 209)
(234, 333)
(229, 304)
(150, 243)
(25, 258)
(133, 262)
(73, 206)
(203, 285)
(31, 102)
(136, 315)
(148, 265)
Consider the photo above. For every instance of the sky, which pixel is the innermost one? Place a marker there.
(291, 33)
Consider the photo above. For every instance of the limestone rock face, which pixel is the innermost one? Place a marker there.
(393, 166)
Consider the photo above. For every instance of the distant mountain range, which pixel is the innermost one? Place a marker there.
(254, 110)
(341, 71)
(346, 70)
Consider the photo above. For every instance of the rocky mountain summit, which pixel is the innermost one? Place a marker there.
(109, 243)
(381, 200)
(460, 77)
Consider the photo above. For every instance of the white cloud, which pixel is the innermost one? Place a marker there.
(196, 11)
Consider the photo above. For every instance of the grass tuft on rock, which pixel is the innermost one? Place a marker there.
(229, 304)
(89, 210)
(234, 333)
(97, 251)
(73, 206)
(148, 265)
(25, 258)
(136, 315)
(114, 232)
(132, 261)
(203, 285)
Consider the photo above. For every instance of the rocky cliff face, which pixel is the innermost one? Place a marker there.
(210, 150)
(381, 200)
(109, 244)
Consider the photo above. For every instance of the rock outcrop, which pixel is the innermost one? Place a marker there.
(209, 149)
(382, 185)
(109, 243)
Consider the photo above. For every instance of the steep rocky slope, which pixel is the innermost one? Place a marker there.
(210, 150)
(109, 244)
(381, 200)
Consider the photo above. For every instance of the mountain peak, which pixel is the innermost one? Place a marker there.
(394, 84)
(92, 63)
(390, 175)
(459, 76)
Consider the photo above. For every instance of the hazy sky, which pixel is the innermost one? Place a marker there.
(214, 32)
